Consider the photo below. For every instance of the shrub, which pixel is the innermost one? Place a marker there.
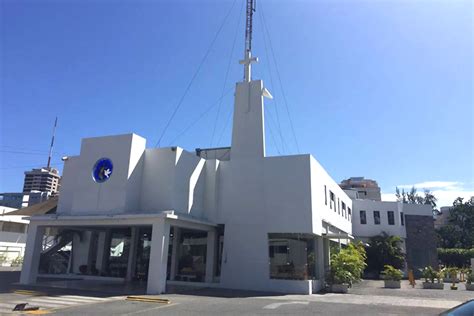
(450, 272)
(470, 277)
(391, 273)
(430, 274)
(347, 265)
(18, 260)
(455, 256)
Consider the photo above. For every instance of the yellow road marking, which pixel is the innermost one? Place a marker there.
(39, 312)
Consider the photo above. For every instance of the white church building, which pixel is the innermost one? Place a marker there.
(225, 217)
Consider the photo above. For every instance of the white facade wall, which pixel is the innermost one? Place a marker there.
(371, 229)
(321, 185)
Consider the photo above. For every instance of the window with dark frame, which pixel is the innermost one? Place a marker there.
(325, 195)
(363, 217)
(332, 200)
(350, 213)
(402, 219)
(391, 217)
(377, 217)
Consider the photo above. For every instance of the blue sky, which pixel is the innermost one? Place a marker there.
(382, 89)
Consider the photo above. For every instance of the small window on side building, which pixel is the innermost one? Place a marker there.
(377, 217)
(402, 218)
(363, 217)
(391, 218)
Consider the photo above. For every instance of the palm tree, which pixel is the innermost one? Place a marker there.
(384, 249)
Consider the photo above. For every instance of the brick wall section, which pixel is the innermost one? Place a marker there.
(420, 242)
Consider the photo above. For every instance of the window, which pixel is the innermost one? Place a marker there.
(291, 257)
(325, 196)
(402, 219)
(377, 217)
(12, 227)
(391, 218)
(350, 213)
(363, 218)
(338, 206)
(332, 202)
(344, 210)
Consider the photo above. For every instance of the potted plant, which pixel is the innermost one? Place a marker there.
(450, 275)
(430, 274)
(392, 277)
(470, 280)
(346, 267)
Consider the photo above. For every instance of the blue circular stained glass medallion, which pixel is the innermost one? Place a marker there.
(102, 170)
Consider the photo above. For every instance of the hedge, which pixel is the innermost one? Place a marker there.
(455, 256)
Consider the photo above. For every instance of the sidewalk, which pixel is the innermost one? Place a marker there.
(376, 287)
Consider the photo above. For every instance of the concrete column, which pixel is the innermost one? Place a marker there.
(132, 254)
(320, 258)
(175, 252)
(327, 254)
(103, 251)
(29, 271)
(158, 257)
(210, 256)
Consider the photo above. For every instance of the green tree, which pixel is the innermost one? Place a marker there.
(382, 250)
(459, 232)
(412, 197)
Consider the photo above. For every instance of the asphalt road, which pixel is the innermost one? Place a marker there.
(187, 305)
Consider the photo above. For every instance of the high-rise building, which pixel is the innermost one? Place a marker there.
(366, 189)
(42, 179)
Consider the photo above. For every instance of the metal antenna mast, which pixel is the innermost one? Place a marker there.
(248, 25)
(248, 59)
(52, 143)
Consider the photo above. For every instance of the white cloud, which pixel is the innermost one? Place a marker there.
(431, 185)
(389, 197)
(445, 191)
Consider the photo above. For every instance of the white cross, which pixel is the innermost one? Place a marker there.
(247, 66)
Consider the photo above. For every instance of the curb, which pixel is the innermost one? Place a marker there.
(146, 299)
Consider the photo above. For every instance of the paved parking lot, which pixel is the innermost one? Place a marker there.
(366, 298)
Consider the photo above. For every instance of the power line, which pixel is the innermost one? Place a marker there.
(24, 149)
(180, 102)
(227, 121)
(201, 116)
(30, 166)
(279, 79)
(20, 152)
(283, 142)
(227, 73)
(271, 132)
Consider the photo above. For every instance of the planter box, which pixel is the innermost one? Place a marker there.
(339, 288)
(392, 284)
(437, 286)
(433, 286)
(470, 287)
